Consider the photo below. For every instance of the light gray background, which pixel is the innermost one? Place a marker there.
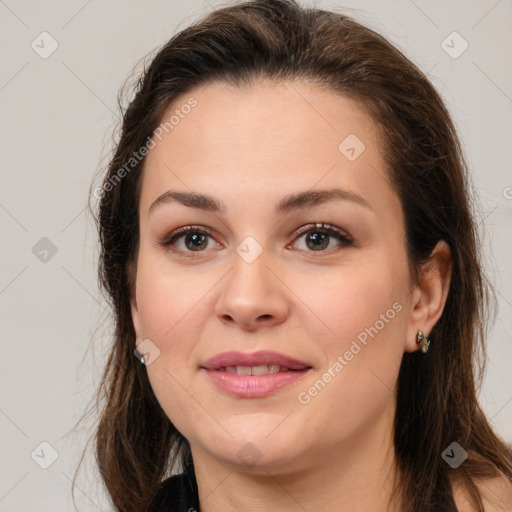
(57, 117)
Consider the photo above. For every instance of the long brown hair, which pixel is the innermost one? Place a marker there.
(136, 444)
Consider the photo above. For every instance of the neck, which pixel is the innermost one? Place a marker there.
(358, 475)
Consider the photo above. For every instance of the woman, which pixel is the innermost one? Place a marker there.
(288, 244)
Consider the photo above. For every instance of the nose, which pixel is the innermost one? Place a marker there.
(252, 296)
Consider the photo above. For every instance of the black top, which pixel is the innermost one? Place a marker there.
(177, 493)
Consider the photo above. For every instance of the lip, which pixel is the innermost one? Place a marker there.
(253, 386)
(254, 359)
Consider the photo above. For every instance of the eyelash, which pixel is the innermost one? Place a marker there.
(345, 241)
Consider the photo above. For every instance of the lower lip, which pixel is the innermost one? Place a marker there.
(252, 386)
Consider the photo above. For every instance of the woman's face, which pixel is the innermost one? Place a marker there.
(281, 318)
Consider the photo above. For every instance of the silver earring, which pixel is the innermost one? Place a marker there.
(423, 341)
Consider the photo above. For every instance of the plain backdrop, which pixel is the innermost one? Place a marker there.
(58, 112)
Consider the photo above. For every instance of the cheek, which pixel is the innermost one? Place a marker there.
(363, 310)
(351, 300)
(168, 298)
(173, 307)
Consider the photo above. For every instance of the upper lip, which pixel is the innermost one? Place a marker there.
(255, 359)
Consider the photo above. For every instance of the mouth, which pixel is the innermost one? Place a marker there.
(253, 375)
(261, 369)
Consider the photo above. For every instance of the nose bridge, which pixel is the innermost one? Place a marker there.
(251, 294)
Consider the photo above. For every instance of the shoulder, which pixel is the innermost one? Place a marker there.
(496, 495)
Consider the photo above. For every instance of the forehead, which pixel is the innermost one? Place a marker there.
(256, 116)
(265, 138)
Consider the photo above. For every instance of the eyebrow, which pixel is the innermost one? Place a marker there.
(289, 203)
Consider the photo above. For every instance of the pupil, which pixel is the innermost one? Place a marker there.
(319, 240)
(197, 241)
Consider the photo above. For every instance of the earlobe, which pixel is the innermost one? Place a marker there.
(429, 297)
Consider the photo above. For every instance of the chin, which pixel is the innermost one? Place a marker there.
(255, 445)
(256, 457)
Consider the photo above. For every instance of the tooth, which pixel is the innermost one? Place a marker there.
(259, 370)
(273, 368)
(243, 370)
(283, 369)
(231, 369)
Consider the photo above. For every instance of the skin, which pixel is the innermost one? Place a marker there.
(249, 148)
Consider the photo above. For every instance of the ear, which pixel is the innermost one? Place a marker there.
(136, 319)
(132, 276)
(429, 294)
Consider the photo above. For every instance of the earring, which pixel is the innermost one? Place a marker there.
(423, 341)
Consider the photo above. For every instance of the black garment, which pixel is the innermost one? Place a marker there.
(177, 493)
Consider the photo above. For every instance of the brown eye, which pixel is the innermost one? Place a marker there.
(319, 236)
(317, 241)
(195, 241)
(187, 239)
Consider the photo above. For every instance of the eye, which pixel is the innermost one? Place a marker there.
(318, 236)
(195, 239)
(190, 239)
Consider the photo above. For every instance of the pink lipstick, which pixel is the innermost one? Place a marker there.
(253, 375)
